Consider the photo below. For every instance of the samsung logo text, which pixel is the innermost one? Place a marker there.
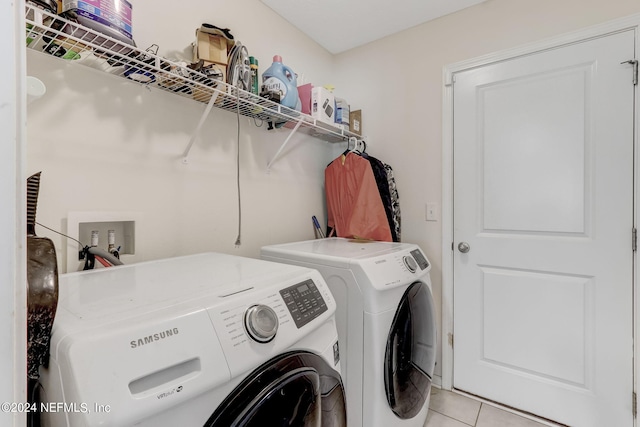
(153, 338)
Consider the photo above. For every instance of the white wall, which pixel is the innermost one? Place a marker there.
(106, 144)
(398, 82)
(12, 216)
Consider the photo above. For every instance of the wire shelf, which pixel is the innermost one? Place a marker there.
(70, 41)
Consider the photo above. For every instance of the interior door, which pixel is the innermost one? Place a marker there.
(543, 218)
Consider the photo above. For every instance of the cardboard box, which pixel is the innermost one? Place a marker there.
(355, 122)
(210, 48)
(323, 105)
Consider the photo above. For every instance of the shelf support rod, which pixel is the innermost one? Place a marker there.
(286, 141)
(196, 132)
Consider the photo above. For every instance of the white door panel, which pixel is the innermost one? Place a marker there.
(543, 195)
(544, 162)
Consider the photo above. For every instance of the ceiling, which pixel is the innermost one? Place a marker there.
(340, 25)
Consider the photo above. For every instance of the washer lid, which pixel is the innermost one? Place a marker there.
(334, 251)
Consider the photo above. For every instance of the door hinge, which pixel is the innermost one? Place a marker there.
(634, 404)
(450, 337)
(634, 63)
(634, 239)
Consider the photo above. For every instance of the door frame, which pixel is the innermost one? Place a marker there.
(449, 71)
(13, 292)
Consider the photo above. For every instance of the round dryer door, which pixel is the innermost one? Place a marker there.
(293, 389)
(410, 356)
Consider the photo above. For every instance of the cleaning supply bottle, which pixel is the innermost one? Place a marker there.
(281, 79)
(255, 84)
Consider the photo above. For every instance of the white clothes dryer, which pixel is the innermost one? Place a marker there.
(204, 340)
(386, 324)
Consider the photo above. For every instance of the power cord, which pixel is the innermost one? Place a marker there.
(62, 234)
(238, 243)
(255, 122)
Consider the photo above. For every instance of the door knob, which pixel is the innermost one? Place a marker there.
(464, 247)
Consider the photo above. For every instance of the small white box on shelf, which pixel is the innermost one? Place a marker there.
(323, 105)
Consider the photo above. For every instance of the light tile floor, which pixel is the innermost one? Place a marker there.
(448, 409)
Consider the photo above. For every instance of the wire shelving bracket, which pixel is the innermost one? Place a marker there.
(286, 141)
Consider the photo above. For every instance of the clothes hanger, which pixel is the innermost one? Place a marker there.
(364, 146)
(357, 143)
(356, 146)
(351, 139)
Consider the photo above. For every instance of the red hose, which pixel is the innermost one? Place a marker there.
(103, 261)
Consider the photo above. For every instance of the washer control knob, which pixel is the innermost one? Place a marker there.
(261, 323)
(410, 263)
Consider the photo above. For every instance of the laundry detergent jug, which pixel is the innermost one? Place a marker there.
(280, 80)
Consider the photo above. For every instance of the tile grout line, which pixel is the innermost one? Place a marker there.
(455, 419)
(478, 414)
(507, 409)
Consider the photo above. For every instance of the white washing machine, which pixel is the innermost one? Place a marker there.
(205, 340)
(386, 324)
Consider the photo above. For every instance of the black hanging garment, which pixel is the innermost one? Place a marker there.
(382, 181)
(395, 201)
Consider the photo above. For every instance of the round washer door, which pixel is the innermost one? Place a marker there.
(410, 356)
(293, 389)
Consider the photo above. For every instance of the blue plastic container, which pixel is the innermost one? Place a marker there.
(280, 78)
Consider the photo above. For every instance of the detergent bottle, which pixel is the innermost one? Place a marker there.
(279, 78)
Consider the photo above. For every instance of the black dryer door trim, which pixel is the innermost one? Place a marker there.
(296, 388)
(410, 354)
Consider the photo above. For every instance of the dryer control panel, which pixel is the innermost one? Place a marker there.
(420, 259)
(395, 269)
(304, 302)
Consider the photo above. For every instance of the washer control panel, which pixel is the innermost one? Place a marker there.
(304, 302)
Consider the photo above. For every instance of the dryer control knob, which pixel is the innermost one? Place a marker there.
(261, 323)
(410, 263)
